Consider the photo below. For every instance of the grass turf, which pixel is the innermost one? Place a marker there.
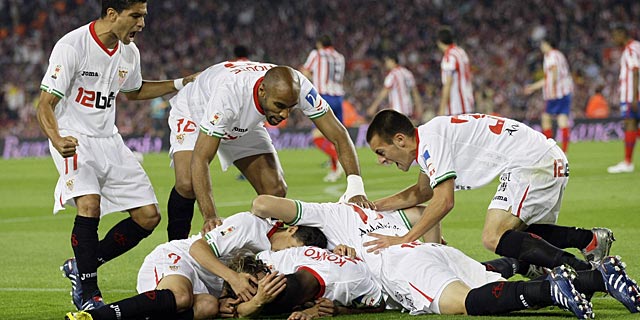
(35, 242)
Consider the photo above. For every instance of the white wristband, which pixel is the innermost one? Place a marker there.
(177, 83)
(355, 187)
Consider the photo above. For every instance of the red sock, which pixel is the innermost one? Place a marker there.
(629, 143)
(565, 139)
(327, 147)
(548, 133)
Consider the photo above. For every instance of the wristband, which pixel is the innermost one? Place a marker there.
(177, 83)
(355, 187)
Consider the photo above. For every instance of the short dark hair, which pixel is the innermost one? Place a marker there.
(325, 40)
(620, 27)
(551, 41)
(387, 123)
(391, 55)
(445, 35)
(118, 5)
(311, 236)
(240, 51)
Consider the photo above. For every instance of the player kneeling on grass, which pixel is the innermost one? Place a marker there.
(326, 283)
(181, 279)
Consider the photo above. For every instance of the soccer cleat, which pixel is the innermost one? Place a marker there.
(565, 295)
(622, 167)
(80, 315)
(600, 246)
(334, 175)
(70, 271)
(618, 283)
(94, 303)
(536, 271)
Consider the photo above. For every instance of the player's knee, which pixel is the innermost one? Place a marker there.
(148, 217)
(184, 187)
(205, 307)
(184, 300)
(490, 241)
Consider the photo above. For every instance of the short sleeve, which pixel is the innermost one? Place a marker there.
(310, 102)
(435, 160)
(312, 60)
(388, 80)
(134, 78)
(633, 60)
(448, 63)
(242, 230)
(218, 114)
(63, 64)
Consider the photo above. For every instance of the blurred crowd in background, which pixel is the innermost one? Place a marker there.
(181, 37)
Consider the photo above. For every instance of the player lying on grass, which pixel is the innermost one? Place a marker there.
(338, 284)
(181, 279)
(432, 278)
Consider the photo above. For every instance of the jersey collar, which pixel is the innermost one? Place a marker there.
(275, 228)
(256, 102)
(94, 35)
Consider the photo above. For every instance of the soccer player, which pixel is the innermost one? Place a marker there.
(179, 274)
(557, 87)
(629, 83)
(400, 86)
(468, 151)
(222, 113)
(432, 278)
(325, 66)
(98, 173)
(457, 91)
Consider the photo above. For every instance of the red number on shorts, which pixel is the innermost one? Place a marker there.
(189, 127)
(496, 128)
(175, 257)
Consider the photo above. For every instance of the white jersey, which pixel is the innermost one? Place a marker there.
(350, 225)
(327, 67)
(239, 231)
(225, 98)
(343, 280)
(475, 148)
(455, 63)
(629, 64)
(87, 76)
(563, 86)
(400, 82)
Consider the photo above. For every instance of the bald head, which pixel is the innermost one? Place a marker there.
(283, 82)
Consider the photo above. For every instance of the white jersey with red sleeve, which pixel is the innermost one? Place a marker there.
(475, 148)
(87, 76)
(400, 82)
(224, 99)
(240, 231)
(563, 86)
(350, 225)
(327, 67)
(629, 63)
(455, 63)
(342, 279)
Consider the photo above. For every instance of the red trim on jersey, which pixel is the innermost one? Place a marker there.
(318, 277)
(94, 35)
(422, 293)
(75, 162)
(155, 273)
(522, 201)
(275, 228)
(460, 75)
(256, 102)
(417, 143)
(62, 204)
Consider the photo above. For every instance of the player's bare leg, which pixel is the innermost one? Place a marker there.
(563, 125)
(329, 149)
(547, 125)
(452, 299)
(264, 173)
(414, 214)
(630, 137)
(182, 198)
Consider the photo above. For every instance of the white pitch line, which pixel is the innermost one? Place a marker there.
(57, 290)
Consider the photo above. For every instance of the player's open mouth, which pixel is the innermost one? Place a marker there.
(132, 35)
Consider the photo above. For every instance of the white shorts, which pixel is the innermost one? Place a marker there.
(164, 260)
(415, 275)
(102, 166)
(184, 133)
(534, 194)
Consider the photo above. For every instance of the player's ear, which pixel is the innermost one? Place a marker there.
(399, 139)
(292, 230)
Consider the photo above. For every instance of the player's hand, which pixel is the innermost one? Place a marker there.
(326, 307)
(190, 78)
(66, 146)
(242, 285)
(382, 242)
(345, 250)
(362, 201)
(227, 307)
(301, 315)
(270, 287)
(210, 224)
(527, 90)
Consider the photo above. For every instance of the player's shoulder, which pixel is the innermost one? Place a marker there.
(75, 39)
(245, 218)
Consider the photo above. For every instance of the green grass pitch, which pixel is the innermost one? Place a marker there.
(35, 243)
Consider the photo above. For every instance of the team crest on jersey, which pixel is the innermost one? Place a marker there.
(180, 138)
(56, 71)
(69, 184)
(227, 231)
(216, 118)
(122, 75)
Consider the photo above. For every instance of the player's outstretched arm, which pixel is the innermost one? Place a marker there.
(267, 206)
(153, 89)
(204, 151)
(409, 197)
(446, 94)
(529, 89)
(376, 103)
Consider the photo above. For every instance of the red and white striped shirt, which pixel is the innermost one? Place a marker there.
(629, 63)
(327, 66)
(400, 82)
(455, 63)
(564, 84)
